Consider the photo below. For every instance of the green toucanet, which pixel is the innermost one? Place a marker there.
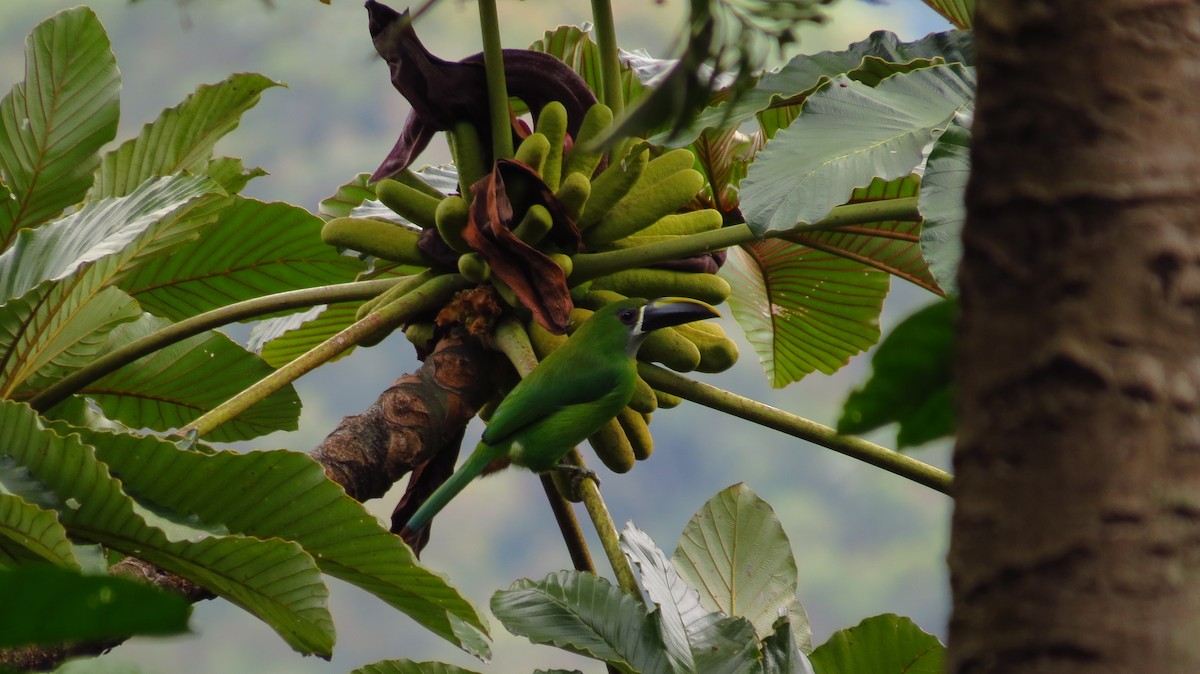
(577, 389)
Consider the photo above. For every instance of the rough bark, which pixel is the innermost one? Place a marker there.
(1076, 531)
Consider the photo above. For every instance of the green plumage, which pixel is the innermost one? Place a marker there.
(573, 392)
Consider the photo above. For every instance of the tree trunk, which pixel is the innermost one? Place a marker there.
(1076, 531)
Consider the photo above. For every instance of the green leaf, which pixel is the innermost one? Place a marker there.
(890, 245)
(182, 138)
(283, 494)
(803, 309)
(175, 385)
(847, 135)
(584, 614)
(29, 533)
(230, 174)
(958, 12)
(884, 644)
(679, 610)
(51, 605)
(347, 197)
(57, 328)
(410, 667)
(788, 87)
(911, 380)
(280, 340)
(158, 215)
(942, 193)
(735, 552)
(273, 579)
(782, 654)
(253, 249)
(53, 124)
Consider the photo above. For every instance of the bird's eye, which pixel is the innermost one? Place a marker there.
(627, 316)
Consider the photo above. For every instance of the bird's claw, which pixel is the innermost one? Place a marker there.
(577, 474)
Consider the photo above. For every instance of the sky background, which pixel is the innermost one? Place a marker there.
(866, 542)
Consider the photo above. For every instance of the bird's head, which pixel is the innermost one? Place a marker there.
(638, 318)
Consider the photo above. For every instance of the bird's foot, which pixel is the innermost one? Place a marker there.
(577, 474)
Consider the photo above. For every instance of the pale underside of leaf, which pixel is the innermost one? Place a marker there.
(847, 135)
(802, 309)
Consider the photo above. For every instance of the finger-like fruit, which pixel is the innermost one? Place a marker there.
(667, 400)
(637, 432)
(533, 152)
(663, 166)
(717, 352)
(408, 202)
(421, 335)
(552, 123)
(564, 262)
(385, 240)
(544, 342)
(690, 222)
(414, 180)
(534, 225)
(577, 318)
(473, 267)
(611, 186)
(640, 210)
(671, 349)
(451, 220)
(469, 155)
(506, 293)
(651, 283)
(582, 158)
(643, 399)
(595, 298)
(573, 194)
(613, 448)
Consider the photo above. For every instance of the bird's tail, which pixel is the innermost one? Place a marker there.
(471, 468)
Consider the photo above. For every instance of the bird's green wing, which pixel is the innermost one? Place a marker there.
(547, 390)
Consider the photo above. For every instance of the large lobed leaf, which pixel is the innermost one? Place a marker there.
(958, 12)
(252, 249)
(273, 579)
(53, 124)
(182, 138)
(282, 494)
(789, 86)
(175, 385)
(29, 533)
(57, 328)
(117, 231)
(281, 340)
(884, 644)
(735, 552)
(803, 309)
(696, 639)
(911, 380)
(584, 614)
(942, 194)
(889, 245)
(849, 134)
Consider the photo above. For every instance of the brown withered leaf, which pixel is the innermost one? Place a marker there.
(443, 92)
(536, 280)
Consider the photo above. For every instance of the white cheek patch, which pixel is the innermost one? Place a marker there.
(637, 327)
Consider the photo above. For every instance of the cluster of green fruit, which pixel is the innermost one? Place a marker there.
(633, 201)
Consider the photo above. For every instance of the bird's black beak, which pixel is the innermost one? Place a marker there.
(667, 311)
